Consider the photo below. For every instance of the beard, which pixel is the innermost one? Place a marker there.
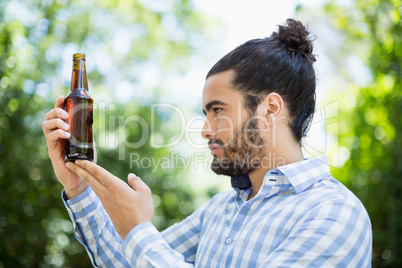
(244, 154)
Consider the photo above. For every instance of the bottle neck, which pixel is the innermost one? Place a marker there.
(79, 75)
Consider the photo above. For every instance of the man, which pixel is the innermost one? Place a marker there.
(284, 210)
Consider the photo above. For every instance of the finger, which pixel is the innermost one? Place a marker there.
(99, 172)
(56, 135)
(137, 184)
(59, 102)
(56, 113)
(53, 124)
(95, 184)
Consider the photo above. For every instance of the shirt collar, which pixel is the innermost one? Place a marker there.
(303, 174)
(300, 175)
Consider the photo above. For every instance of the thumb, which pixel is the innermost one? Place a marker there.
(136, 183)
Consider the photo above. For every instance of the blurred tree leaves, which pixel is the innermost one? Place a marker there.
(371, 120)
(120, 38)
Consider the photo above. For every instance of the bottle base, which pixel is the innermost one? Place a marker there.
(73, 157)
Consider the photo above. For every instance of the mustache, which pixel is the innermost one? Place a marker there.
(217, 141)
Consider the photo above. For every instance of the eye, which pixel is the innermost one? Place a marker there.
(216, 110)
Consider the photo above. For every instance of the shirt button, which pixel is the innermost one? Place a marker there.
(228, 241)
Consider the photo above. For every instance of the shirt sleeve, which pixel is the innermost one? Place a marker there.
(333, 234)
(144, 246)
(94, 230)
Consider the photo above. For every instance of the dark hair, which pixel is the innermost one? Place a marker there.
(280, 63)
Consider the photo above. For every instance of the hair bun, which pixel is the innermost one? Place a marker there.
(295, 37)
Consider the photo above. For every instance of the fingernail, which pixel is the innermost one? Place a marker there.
(131, 175)
(68, 134)
(65, 114)
(78, 162)
(66, 126)
(68, 165)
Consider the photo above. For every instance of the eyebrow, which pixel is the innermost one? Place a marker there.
(210, 104)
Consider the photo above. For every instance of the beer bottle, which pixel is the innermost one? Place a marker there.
(79, 106)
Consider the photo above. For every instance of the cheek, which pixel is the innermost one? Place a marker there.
(225, 130)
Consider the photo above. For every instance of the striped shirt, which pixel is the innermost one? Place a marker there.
(301, 217)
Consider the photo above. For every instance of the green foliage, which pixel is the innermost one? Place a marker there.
(36, 37)
(372, 128)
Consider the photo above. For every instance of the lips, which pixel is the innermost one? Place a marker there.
(214, 147)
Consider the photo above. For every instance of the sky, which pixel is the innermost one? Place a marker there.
(244, 20)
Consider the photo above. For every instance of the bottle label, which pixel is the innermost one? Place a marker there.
(80, 143)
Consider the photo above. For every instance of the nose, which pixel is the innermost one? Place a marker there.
(206, 131)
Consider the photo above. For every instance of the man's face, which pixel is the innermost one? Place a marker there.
(234, 137)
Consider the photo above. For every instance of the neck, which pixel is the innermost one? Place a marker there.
(283, 154)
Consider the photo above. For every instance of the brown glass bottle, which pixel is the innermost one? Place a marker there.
(79, 106)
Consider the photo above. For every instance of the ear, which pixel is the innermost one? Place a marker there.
(273, 105)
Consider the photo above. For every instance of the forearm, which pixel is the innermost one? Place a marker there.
(95, 231)
(71, 193)
(176, 246)
(144, 246)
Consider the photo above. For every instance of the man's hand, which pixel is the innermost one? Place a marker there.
(56, 131)
(127, 207)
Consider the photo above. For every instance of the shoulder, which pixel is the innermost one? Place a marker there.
(331, 202)
(337, 223)
(330, 191)
(325, 226)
